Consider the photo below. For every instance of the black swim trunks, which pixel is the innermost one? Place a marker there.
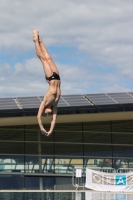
(55, 76)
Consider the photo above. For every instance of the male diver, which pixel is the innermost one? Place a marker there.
(52, 96)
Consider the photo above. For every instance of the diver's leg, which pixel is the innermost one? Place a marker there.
(46, 66)
(47, 56)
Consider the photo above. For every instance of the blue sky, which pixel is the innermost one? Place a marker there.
(91, 43)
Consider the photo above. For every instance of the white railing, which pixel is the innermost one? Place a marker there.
(124, 170)
(103, 169)
(79, 182)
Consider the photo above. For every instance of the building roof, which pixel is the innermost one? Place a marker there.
(69, 104)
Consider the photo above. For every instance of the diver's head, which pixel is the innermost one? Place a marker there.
(47, 111)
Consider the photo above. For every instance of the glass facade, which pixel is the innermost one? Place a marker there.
(29, 160)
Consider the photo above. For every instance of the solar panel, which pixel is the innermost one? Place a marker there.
(121, 97)
(7, 103)
(68, 100)
(131, 94)
(61, 102)
(29, 102)
(100, 99)
(76, 100)
(41, 97)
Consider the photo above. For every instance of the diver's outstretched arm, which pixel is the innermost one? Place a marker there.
(39, 115)
(53, 121)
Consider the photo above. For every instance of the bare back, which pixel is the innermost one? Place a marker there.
(53, 93)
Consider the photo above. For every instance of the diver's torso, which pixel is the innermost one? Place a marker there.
(53, 94)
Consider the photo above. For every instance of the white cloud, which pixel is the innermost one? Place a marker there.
(28, 79)
(101, 29)
(115, 88)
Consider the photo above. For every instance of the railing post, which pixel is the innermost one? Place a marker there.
(40, 160)
(77, 175)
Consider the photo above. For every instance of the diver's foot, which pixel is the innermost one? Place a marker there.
(39, 39)
(35, 35)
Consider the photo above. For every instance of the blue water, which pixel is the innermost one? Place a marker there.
(64, 196)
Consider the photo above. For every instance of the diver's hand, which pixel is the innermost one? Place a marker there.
(44, 132)
(49, 133)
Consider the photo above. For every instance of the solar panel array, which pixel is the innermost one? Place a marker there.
(29, 102)
(131, 93)
(122, 97)
(72, 100)
(68, 100)
(7, 104)
(110, 98)
(76, 100)
(100, 99)
(62, 103)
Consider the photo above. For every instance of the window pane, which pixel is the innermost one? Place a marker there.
(31, 164)
(64, 183)
(12, 133)
(97, 150)
(37, 183)
(67, 165)
(122, 138)
(97, 137)
(97, 132)
(98, 163)
(97, 126)
(9, 163)
(122, 126)
(32, 183)
(15, 182)
(70, 132)
(64, 136)
(31, 148)
(48, 183)
(69, 149)
(31, 133)
(122, 151)
(47, 149)
(123, 163)
(39, 164)
(11, 147)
